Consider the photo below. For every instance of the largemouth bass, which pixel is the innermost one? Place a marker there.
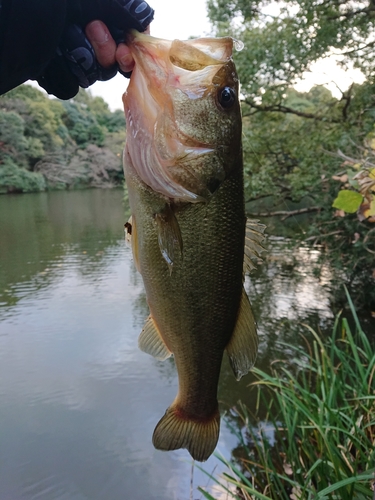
(184, 173)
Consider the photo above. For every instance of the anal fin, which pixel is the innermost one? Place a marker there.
(243, 346)
(151, 342)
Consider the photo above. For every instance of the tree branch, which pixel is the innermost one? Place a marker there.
(285, 213)
(347, 96)
(259, 197)
(352, 13)
(323, 235)
(279, 108)
(357, 49)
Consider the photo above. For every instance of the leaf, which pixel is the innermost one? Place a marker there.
(339, 213)
(344, 482)
(351, 178)
(356, 238)
(372, 208)
(349, 201)
(341, 178)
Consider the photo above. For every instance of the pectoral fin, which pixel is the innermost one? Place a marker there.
(243, 346)
(151, 342)
(253, 243)
(169, 235)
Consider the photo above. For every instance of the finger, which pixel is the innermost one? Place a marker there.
(124, 58)
(102, 42)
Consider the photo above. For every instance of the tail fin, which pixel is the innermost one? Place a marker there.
(175, 431)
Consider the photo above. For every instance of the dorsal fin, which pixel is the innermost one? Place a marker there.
(254, 239)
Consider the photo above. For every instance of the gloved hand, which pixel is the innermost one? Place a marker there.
(75, 63)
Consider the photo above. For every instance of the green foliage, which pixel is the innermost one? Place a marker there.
(42, 137)
(348, 233)
(26, 93)
(317, 441)
(115, 143)
(82, 124)
(283, 38)
(35, 149)
(359, 176)
(42, 123)
(99, 112)
(295, 144)
(349, 201)
(12, 128)
(19, 180)
(114, 122)
(285, 154)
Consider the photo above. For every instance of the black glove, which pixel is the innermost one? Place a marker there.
(74, 63)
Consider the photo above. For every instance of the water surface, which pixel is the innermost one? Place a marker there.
(79, 401)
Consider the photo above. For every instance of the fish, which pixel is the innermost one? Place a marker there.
(188, 231)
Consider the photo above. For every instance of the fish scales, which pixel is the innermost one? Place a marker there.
(214, 264)
(184, 172)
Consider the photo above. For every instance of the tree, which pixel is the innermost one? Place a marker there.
(12, 128)
(43, 141)
(284, 38)
(292, 140)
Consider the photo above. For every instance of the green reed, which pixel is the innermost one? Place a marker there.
(321, 408)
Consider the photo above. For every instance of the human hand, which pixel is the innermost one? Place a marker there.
(83, 58)
(106, 50)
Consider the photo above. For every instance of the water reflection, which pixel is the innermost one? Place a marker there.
(285, 294)
(79, 401)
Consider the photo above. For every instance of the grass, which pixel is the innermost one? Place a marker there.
(321, 412)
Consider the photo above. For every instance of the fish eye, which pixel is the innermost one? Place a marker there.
(226, 97)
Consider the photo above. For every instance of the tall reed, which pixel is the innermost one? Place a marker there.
(321, 411)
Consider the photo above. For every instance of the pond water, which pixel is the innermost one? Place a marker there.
(79, 400)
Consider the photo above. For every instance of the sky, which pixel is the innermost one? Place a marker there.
(184, 18)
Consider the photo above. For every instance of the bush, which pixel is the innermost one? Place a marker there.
(322, 411)
(19, 180)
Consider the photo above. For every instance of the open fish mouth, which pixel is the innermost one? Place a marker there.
(170, 76)
(187, 65)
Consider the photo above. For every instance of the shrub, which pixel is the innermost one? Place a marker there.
(19, 180)
(322, 412)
